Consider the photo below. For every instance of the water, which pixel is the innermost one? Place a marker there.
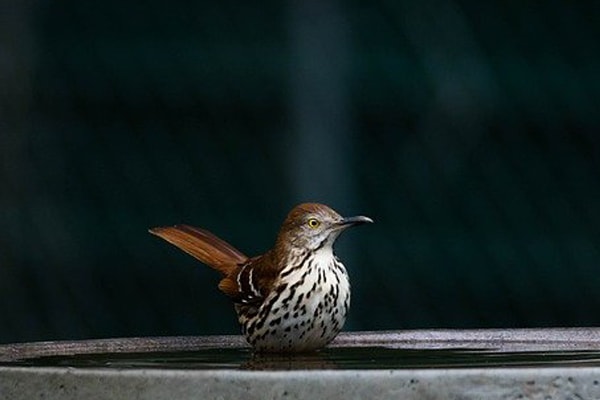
(333, 358)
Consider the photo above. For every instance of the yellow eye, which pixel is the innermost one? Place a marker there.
(313, 223)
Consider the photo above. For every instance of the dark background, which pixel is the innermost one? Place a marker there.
(469, 130)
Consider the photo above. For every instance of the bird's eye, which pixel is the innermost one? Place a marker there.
(313, 223)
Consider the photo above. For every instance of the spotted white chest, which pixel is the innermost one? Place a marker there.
(307, 308)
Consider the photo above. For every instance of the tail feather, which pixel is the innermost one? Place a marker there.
(203, 245)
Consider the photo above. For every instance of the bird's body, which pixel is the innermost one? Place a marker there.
(295, 297)
(306, 308)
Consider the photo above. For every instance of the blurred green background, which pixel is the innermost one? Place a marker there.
(469, 130)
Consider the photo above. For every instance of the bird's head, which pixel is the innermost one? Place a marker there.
(312, 226)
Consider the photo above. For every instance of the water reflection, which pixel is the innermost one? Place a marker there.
(329, 359)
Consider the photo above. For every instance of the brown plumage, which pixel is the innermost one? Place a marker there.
(295, 296)
(209, 249)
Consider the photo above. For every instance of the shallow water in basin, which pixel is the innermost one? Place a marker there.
(334, 358)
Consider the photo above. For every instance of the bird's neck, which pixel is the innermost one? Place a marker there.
(284, 254)
(323, 257)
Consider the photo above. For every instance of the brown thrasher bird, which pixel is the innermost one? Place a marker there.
(294, 297)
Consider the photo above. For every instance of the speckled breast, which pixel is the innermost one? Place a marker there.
(306, 309)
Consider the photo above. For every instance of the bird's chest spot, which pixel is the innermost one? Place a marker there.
(317, 292)
(308, 312)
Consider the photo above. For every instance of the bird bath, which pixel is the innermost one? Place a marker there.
(438, 364)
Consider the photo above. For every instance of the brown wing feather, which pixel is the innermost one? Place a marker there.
(203, 245)
(229, 287)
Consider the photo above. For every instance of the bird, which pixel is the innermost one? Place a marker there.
(294, 297)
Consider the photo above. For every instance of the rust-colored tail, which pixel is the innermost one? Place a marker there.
(203, 245)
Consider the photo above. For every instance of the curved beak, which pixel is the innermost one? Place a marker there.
(351, 221)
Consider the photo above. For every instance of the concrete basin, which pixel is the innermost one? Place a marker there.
(432, 364)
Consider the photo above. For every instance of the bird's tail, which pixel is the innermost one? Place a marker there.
(203, 245)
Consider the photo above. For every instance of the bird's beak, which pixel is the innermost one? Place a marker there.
(351, 221)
